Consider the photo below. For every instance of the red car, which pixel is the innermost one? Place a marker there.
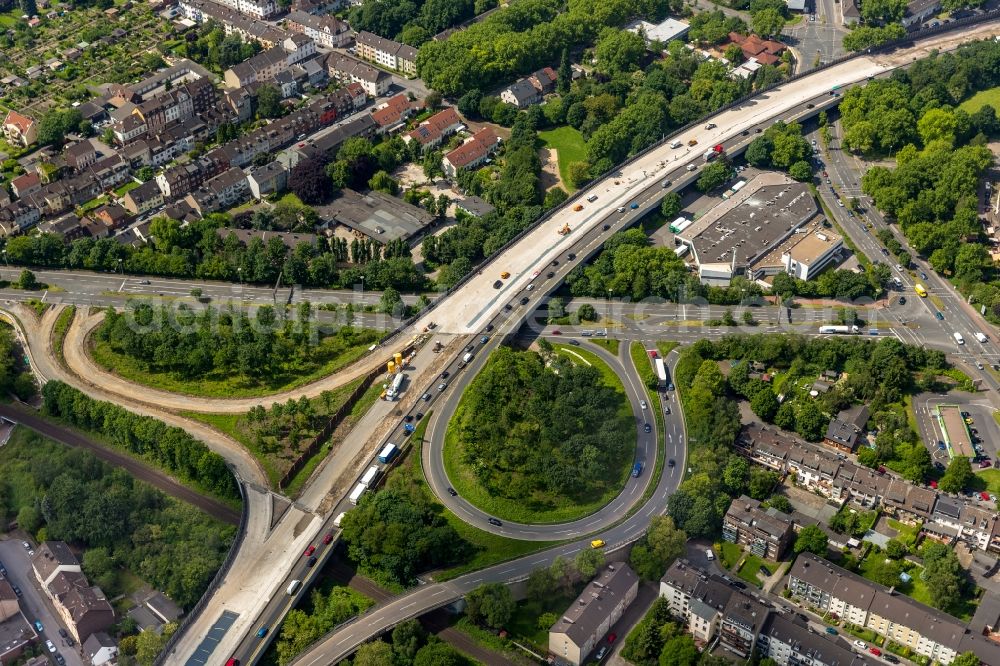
(933, 484)
(985, 496)
(557, 332)
(652, 353)
(985, 464)
(310, 550)
(875, 651)
(612, 637)
(328, 538)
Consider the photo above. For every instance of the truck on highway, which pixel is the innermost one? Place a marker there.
(395, 387)
(919, 288)
(981, 337)
(838, 329)
(713, 153)
(339, 520)
(467, 357)
(389, 451)
(676, 143)
(370, 476)
(958, 338)
(356, 494)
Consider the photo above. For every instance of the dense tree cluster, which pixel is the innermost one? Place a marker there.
(56, 124)
(518, 39)
(714, 27)
(223, 342)
(940, 155)
(658, 640)
(197, 250)
(410, 645)
(68, 494)
(395, 534)
(944, 576)
(897, 446)
(866, 36)
(530, 432)
(414, 22)
(662, 543)
(15, 376)
(209, 45)
(168, 447)
(780, 146)
(303, 626)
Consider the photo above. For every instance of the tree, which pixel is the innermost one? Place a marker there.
(895, 549)
(407, 638)
(768, 23)
(28, 7)
(145, 174)
(438, 653)
(619, 51)
(661, 545)
(883, 11)
(671, 205)
(27, 281)
(376, 653)
(541, 584)
(309, 181)
(865, 36)
(714, 175)
(55, 124)
(966, 659)
(957, 477)
(781, 503)
(588, 562)
(578, 173)
(383, 182)
(565, 74)
(884, 571)
(734, 54)
(391, 302)
(490, 604)
(943, 575)
(679, 651)
(810, 421)
(811, 539)
(268, 101)
(586, 312)
(800, 171)
(764, 403)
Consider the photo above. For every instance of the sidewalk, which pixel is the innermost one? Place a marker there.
(633, 614)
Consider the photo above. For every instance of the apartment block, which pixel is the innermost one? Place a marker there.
(386, 52)
(764, 532)
(588, 619)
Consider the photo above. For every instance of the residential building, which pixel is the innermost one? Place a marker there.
(392, 114)
(742, 621)
(268, 179)
(326, 30)
(847, 428)
(811, 253)
(765, 533)
(129, 128)
(19, 130)
(15, 631)
(250, 29)
(100, 649)
(144, 198)
(80, 155)
(765, 51)
(228, 188)
(386, 52)
(472, 153)
(346, 69)
(431, 132)
(660, 33)
(265, 65)
(25, 184)
(531, 89)
(927, 631)
(920, 11)
(51, 559)
(589, 618)
(791, 644)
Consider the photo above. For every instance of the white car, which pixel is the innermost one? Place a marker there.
(642, 403)
(50, 646)
(861, 645)
(27, 546)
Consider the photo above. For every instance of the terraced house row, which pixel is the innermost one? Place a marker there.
(925, 630)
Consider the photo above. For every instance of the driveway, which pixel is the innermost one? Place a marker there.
(34, 604)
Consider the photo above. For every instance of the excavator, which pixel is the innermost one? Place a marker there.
(565, 230)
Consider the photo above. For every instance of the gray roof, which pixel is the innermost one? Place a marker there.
(375, 214)
(803, 641)
(594, 604)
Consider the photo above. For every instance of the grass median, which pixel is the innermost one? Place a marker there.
(542, 507)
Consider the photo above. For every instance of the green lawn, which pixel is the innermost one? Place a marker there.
(490, 548)
(729, 554)
(557, 509)
(327, 358)
(523, 624)
(751, 566)
(569, 146)
(917, 590)
(610, 345)
(980, 99)
(991, 477)
(907, 533)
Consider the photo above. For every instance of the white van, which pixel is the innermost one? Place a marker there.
(339, 519)
(981, 337)
(958, 338)
(709, 554)
(293, 587)
(691, 167)
(676, 143)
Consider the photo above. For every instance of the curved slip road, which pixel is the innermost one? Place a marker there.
(80, 362)
(610, 513)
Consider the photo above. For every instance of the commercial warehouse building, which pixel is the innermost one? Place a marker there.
(770, 225)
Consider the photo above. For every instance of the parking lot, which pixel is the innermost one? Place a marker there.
(34, 604)
(983, 434)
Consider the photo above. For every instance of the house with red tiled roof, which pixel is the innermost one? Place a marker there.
(764, 51)
(431, 132)
(19, 130)
(25, 184)
(472, 153)
(393, 114)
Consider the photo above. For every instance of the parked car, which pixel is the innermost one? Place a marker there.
(875, 651)
(831, 631)
(327, 538)
(861, 645)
